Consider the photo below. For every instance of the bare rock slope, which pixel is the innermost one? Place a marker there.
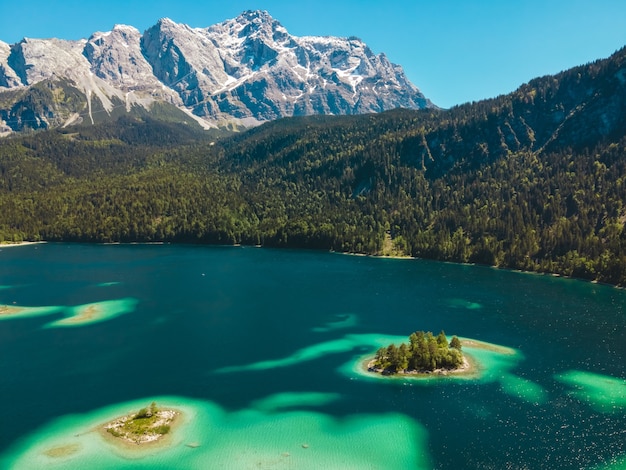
(245, 70)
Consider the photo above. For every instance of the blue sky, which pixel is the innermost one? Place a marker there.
(454, 50)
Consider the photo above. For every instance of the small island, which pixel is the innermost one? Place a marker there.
(424, 354)
(147, 425)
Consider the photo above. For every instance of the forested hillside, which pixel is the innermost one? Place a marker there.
(534, 180)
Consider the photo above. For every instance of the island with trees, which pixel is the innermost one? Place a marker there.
(148, 424)
(424, 353)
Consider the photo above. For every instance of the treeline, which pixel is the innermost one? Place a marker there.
(559, 212)
(535, 180)
(423, 353)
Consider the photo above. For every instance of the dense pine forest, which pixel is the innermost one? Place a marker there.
(533, 180)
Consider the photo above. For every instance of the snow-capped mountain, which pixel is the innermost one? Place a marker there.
(246, 70)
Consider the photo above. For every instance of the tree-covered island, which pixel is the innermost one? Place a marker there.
(424, 353)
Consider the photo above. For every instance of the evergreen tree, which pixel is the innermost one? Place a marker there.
(455, 343)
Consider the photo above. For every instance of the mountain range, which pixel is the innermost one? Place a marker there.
(241, 72)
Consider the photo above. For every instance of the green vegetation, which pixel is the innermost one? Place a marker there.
(114, 432)
(424, 353)
(534, 180)
(162, 429)
(145, 413)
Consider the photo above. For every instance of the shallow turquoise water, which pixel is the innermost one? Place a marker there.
(259, 349)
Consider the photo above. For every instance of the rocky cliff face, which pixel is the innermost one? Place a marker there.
(247, 70)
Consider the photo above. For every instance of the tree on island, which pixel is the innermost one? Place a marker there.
(425, 352)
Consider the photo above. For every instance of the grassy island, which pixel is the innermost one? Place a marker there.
(146, 425)
(424, 353)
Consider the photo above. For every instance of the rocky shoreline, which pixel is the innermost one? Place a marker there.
(464, 369)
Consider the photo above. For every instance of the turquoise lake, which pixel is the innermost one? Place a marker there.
(261, 349)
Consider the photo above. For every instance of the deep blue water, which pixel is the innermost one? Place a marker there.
(202, 312)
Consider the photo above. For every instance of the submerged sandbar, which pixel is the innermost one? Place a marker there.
(20, 311)
(94, 312)
(10, 310)
(62, 450)
(496, 348)
(73, 316)
(84, 314)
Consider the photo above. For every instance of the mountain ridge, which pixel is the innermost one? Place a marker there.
(245, 70)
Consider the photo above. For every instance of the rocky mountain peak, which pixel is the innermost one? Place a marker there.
(116, 56)
(167, 24)
(248, 69)
(251, 25)
(256, 17)
(260, 23)
(34, 60)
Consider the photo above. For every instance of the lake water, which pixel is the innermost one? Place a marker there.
(259, 349)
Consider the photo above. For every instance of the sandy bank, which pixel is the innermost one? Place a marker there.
(10, 310)
(86, 314)
(475, 344)
(4, 245)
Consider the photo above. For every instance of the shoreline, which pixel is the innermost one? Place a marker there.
(487, 266)
(14, 244)
(348, 253)
(469, 368)
(369, 255)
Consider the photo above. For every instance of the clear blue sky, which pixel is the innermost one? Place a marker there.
(454, 50)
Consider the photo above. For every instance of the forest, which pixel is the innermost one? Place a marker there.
(534, 180)
(423, 353)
